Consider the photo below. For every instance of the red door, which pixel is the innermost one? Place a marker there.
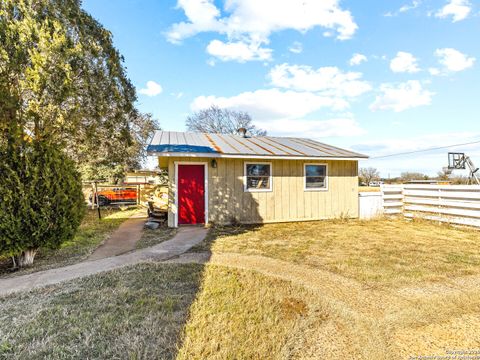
(191, 194)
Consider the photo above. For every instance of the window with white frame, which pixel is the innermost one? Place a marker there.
(316, 177)
(258, 176)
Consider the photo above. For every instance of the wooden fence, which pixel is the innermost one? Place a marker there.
(456, 204)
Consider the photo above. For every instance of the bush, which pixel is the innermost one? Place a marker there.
(41, 200)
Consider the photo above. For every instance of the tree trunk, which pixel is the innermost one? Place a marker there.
(26, 258)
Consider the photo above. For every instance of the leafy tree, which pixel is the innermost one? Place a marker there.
(222, 121)
(101, 164)
(61, 75)
(367, 175)
(64, 100)
(41, 199)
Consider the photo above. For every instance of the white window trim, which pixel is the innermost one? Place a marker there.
(305, 177)
(205, 174)
(270, 182)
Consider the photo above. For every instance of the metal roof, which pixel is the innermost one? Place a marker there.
(173, 143)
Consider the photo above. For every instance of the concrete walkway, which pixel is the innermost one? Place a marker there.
(123, 239)
(186, 238)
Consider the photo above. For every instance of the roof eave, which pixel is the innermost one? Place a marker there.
(253, 156)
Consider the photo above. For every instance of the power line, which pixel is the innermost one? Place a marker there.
(425, 150)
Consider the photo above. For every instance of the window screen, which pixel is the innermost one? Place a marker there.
(258, 176)
(315, 176)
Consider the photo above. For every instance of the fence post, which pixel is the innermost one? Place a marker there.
(93, 196)
(402, 193)
(98, 203)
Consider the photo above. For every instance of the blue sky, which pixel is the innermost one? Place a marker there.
(379, 77)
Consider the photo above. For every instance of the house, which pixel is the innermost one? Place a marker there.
(142, 177)
(218, 178)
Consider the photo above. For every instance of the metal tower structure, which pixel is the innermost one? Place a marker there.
(459, 161)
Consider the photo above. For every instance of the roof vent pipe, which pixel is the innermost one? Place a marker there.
(242, 132)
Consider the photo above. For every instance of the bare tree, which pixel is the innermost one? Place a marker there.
(444, 174)
(222, 121)
(459, 180)
(367, 175)
(408, 176)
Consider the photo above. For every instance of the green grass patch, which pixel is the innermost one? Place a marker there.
(91, 233)
(154, 237)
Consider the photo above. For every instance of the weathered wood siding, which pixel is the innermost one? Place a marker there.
(288, 201)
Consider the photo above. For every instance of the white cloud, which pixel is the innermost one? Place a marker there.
(329, 81)
(357, 59)
(296, 47)
(211, 62)
(152, 89)
(261, 18)
(315, 129)
(404, 62)
(178, 95)
(453, 60)
(238, 51)
(457, 9)
(282, 112)
(202, 15)
(404, 8)
(401, 97)
(253, 21)
(434, 71)
(407, 7)
(273, 104)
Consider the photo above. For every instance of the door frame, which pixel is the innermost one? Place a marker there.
(205, 175)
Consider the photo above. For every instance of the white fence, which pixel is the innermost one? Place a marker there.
(370, 205)
(392, 196)
(456, 204)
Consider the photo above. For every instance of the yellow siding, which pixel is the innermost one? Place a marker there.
(288, 201)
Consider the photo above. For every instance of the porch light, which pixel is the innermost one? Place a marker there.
(214, 163)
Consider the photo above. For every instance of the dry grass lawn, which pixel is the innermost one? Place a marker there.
(385, 289)
(133, 313)
(369, 188)
(382, 252)
(246, 315)
(141, 312)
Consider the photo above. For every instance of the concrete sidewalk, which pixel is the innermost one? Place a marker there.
(123, 240)
(186, 238)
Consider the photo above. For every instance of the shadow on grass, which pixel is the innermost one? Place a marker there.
(138, 312)
(132, 313)
(152, 237)
(220, 231)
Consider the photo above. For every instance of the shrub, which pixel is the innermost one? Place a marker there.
(41, 200)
